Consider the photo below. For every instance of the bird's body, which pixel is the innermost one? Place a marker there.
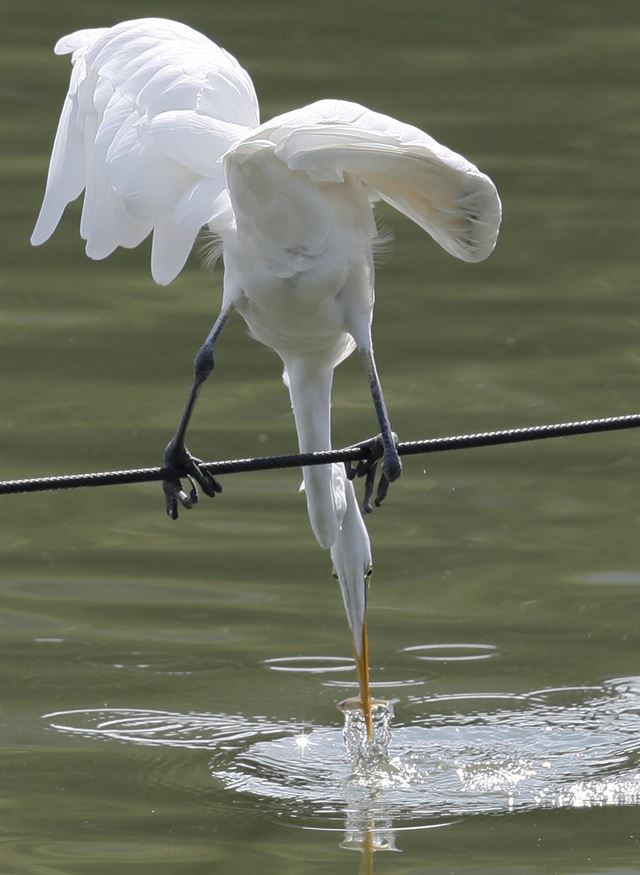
(299, 268)
(161, 130)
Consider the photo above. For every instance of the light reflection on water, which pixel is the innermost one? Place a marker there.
(555, 748)
(451, 652)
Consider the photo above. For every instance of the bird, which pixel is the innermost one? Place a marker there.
(160, 129)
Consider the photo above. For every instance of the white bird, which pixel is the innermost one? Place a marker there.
(160, 129)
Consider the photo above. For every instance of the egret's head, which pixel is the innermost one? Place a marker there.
(351, 556)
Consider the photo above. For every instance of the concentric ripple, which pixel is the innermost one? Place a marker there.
(311, 664)
(447, 756)
(451, 652)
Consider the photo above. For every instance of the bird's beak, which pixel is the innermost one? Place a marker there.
(362, 663)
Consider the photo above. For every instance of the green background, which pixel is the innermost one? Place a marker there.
(532, 549)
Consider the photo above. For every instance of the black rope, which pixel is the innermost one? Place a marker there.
(348, 454)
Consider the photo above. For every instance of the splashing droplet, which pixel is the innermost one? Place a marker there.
(363, 753)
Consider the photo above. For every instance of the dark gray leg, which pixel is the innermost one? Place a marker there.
(176, 456)
(381, 447)
(391, 464)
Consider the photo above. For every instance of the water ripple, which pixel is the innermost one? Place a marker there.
(451, 652)
(455, 755)
(310, 664)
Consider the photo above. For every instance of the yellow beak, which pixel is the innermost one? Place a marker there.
(362, 663)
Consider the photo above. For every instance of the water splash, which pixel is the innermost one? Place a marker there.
(363, 752)
(448, 756)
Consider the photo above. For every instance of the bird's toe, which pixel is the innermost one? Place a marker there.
(392, 464)
(376, 450)
(180, 464)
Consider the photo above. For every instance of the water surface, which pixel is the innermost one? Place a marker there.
(169, 690)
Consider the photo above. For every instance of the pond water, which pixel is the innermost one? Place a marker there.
(169, 690)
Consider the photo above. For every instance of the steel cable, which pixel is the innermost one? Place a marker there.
(347, 454)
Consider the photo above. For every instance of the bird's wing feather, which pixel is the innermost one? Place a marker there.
(438, 189)
(152, 107)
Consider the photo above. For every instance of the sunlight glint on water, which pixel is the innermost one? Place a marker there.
(554, 748)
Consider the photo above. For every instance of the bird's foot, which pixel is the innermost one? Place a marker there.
(391, 469)
(181, 464)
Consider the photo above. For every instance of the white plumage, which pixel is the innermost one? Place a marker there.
(160, 128)
(152, 107)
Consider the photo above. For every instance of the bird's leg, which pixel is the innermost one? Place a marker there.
(177, 457)
(391, 464)
(383, 446)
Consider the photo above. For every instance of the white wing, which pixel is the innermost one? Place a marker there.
(152, 107)
(440, 190)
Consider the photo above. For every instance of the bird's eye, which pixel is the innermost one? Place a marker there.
(368, 572)
(334, 573)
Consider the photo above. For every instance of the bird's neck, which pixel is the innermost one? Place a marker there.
(310, 389)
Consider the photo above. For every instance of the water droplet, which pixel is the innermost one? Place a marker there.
(364, 753)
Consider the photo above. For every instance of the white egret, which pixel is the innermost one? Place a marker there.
(160, 128)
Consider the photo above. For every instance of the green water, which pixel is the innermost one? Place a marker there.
(529, 552)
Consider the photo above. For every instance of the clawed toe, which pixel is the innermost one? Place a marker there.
(179, 464)
(368, 467)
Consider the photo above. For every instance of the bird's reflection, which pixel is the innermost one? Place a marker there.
(367, 835)
(364, 830)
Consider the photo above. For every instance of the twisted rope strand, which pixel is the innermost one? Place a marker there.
(348, 454)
